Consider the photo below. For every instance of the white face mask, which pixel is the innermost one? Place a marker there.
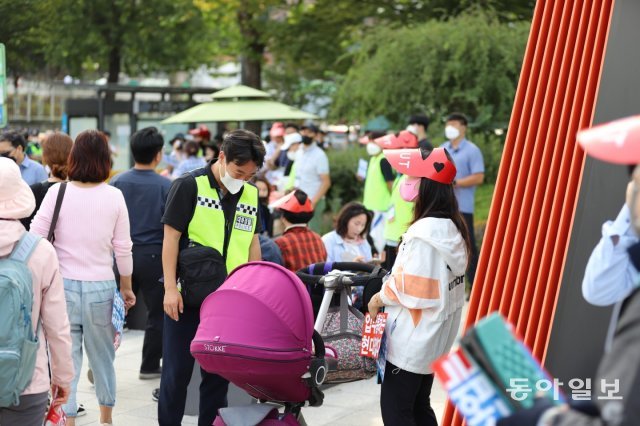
(232, 185)
(292, 155)
(413, 129)
(373, 149)
(451, 133)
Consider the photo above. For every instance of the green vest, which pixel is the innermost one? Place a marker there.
(376, 193)
(207, 227)
(291, 182)
(403, 213)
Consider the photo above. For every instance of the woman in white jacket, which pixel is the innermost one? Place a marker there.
(424, 294)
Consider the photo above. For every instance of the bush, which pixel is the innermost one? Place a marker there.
(469, 63)
(344, 185)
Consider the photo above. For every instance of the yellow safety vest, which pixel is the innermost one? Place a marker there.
(376, 195)
(399, 222)
(291, 182)
(207, 227)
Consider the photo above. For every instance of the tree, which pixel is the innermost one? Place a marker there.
(468, 63)
(319, 40)
(20, 32)
(139, 37)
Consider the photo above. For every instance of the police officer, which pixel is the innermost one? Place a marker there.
(213, 206)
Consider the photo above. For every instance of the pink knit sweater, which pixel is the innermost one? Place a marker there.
(92, 228)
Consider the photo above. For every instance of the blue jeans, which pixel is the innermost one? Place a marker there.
(89, 306)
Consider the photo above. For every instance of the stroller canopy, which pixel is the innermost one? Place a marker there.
(261, 305)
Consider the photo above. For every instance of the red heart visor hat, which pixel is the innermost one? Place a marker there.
(435, 165)
(616, 142)
(291, 204)
(404, 139)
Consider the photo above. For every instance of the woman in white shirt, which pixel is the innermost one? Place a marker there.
(424, 294)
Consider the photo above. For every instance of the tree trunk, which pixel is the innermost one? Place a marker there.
(251, 76)
(115, 58)
(251, 71)
(251, 60)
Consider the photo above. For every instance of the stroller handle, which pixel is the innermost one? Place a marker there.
(315, 272)
(318, 344)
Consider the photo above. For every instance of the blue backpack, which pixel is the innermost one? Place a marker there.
(18, 344)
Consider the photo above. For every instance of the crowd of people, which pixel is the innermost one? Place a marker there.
(216, 205)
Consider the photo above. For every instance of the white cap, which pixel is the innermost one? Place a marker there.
(290, 139)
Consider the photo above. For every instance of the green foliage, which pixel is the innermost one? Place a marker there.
(165, 35)
(468, 63)
(343, 165)
(22, 35)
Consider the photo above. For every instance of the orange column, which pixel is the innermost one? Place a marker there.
(527, 234)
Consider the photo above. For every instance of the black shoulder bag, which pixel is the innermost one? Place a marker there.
(201, 270)
(56, 212)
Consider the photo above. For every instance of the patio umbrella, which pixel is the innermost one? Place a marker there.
(239, 103)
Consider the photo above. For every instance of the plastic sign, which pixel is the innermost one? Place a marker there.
(372, 335)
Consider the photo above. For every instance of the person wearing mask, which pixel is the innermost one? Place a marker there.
(34, 145)
(145, 194)
(192, 161)
(53, 366)
(311, 169)
(615, 142)
(273, 149)
(55, 153)
(377, 188)
(92, 229)
(213, 207)
(418, 125)
(289, 152)
(211, 151)
(470, 166)
(264, 192)
(12, 146)
(348, 242)
(299, 245)
(398, 217)
(424, 294)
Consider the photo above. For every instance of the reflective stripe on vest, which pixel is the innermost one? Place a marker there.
(403, 214)
(207, 227)
(376, 192)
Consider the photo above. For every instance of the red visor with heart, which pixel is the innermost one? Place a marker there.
(404, 139)
(614, 142)
(436, 166)
(291, 204)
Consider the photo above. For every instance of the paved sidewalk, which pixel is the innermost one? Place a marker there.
(348, 404)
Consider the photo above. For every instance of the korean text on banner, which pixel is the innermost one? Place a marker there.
(372, 335)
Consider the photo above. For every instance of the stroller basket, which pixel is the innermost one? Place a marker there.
(339, 323)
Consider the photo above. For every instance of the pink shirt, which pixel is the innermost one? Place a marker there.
(49, 306)
(92, 228)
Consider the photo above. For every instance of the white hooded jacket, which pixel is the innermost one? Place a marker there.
(424, 294)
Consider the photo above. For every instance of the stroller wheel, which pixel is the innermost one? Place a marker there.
(321, 374)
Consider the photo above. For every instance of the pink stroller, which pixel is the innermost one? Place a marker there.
(257, 331)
